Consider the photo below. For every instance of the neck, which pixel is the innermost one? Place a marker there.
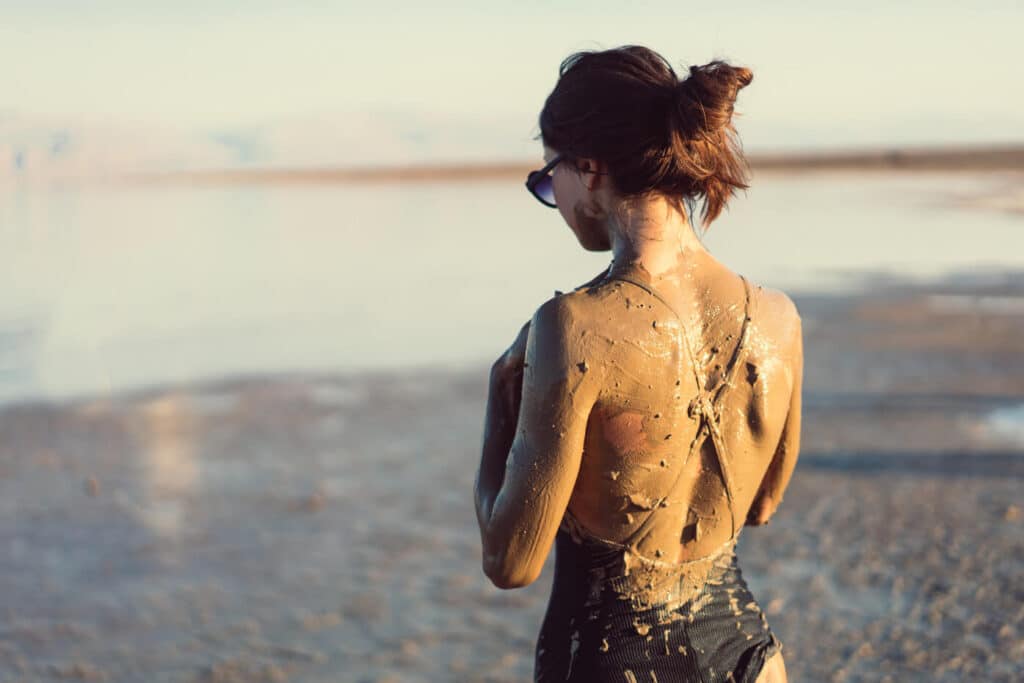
(654, 236)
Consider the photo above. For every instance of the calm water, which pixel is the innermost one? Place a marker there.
(104, 289)
(1008, 423)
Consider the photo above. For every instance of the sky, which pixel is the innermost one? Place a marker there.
(267, 80)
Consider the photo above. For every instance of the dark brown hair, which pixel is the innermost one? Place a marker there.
(658, 134)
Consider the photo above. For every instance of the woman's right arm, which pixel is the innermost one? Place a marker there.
(504, 394)
(780, 471)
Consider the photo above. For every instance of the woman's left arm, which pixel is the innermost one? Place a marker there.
(526, 476)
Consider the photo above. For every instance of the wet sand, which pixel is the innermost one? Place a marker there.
(321, 528)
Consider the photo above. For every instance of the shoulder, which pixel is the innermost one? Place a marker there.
(776, 303)
(567, 322)
(778, 323)
(777, 317)
(562, 349)
(567, 310)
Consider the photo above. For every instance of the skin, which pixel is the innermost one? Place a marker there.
(587, 408)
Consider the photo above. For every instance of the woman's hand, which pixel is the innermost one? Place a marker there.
(761, 510)
(507, 374)
(515, 355)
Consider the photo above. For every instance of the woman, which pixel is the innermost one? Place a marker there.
(639, 421)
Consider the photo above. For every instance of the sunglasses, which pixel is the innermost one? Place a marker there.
(540, 184)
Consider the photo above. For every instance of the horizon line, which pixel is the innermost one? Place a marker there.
(988, 157)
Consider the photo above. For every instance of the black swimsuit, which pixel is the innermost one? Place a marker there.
(615, 615)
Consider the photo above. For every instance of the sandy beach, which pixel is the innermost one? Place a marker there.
(321, 528)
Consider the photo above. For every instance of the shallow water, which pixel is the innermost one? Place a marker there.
(1008, 422)
(108, 288)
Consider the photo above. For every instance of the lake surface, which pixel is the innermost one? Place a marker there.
(104, 289)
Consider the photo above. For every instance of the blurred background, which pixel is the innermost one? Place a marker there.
(255, 259)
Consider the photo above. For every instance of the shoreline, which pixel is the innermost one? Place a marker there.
(995, 158)
(995, 293)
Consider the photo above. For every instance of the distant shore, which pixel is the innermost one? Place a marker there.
(948, 159)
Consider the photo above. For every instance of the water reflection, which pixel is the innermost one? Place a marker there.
(1008, 423)
(166, 441)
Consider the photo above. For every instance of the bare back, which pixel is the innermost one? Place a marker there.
(648, 452)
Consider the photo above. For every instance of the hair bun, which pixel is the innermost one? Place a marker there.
(705, 99)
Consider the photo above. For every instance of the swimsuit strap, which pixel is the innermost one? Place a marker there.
(704, 405)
